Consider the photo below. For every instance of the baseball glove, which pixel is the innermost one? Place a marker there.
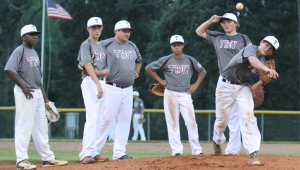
(157, 89)
(258, 97)
(263, 75)
(51, 112)
(140, 121)
(82, 68)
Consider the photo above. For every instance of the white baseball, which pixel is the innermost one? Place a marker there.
(239, 6)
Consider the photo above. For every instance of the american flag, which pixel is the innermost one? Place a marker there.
(56, 11)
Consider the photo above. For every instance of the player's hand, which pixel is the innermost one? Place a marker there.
(100, 92)
(191, 89)
(46, 100)
(163, 82)
(215, 18)
(272, 73)
(136, 75)
(27, 93)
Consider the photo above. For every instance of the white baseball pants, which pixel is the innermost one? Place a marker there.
(94, 116)
(30, 120)
(118, 103)
(173, 102)
(226, 95)
(138, 128)
(112, 130)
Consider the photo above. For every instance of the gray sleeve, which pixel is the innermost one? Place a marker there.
(84, 54)
(141, 104)
(211, 37)
(248, 41)
(156, 65)
(139, 56)
(107, 61)
(198, 68)
(247, 52)
(13, 62)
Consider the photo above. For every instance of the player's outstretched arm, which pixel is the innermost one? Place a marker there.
(259, 65)
(89, 68)
(201, 30)
(194, 86)
(104, 72)
(155, 76)
(13, 76)
(137, 70)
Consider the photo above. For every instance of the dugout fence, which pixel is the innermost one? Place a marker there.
(210, 113)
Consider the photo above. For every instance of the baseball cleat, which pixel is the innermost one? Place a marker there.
(87, 160)
(217, 149)
(253, 160)
(25, 164)
(99, 158)
(55, 162)
(177, 154)
(126, 157)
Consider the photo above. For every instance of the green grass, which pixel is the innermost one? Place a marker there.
(8, 155)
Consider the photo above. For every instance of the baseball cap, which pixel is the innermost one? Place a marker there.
(123, 25)
(230, 16)
(136, 93)
(94, 21)
(272, 40)
(29, 29)
(176, 39)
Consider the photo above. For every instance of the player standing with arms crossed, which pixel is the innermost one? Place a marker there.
(23, 68)
(126, 62)
(239, 79)
(226, 45)
(93, 90)
(138, 113)
(178, 69)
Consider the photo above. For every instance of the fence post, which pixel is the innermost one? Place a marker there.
(209, 120)
(148, 126)
(262, 127)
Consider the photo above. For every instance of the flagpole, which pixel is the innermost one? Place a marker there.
(43, 33)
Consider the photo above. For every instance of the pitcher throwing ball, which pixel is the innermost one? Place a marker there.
(178, 69)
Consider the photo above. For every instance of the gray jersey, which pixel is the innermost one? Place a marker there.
(226, 46)
(123, 58)
(87, 48)
(26, 64)
(177, 71)
(239, 68)
(138, 105)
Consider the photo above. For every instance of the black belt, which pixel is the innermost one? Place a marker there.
(231, 82)
(101, 78)
(113, 84)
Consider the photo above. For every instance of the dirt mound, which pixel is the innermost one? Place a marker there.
(184, 162)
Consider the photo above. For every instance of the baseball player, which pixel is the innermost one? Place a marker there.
(126, 62)
(138, 110)
(239, 78)
(93, 90)
(226, 45)
(178, 69)
(23, 68)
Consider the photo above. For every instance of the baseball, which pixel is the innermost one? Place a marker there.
(239, 6)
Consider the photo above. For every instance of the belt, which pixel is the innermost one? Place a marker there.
(101, 78)
(231, 82)
(113, 84)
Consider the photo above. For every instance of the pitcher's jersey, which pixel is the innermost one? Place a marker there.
(226, 46)
(25, 63)
(177, 71)
(239, 68)
(122, 61)
(138, 105)
(88, 48)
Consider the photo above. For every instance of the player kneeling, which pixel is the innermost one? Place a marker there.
(178, 69)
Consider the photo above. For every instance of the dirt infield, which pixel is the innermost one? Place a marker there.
(206, 161)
